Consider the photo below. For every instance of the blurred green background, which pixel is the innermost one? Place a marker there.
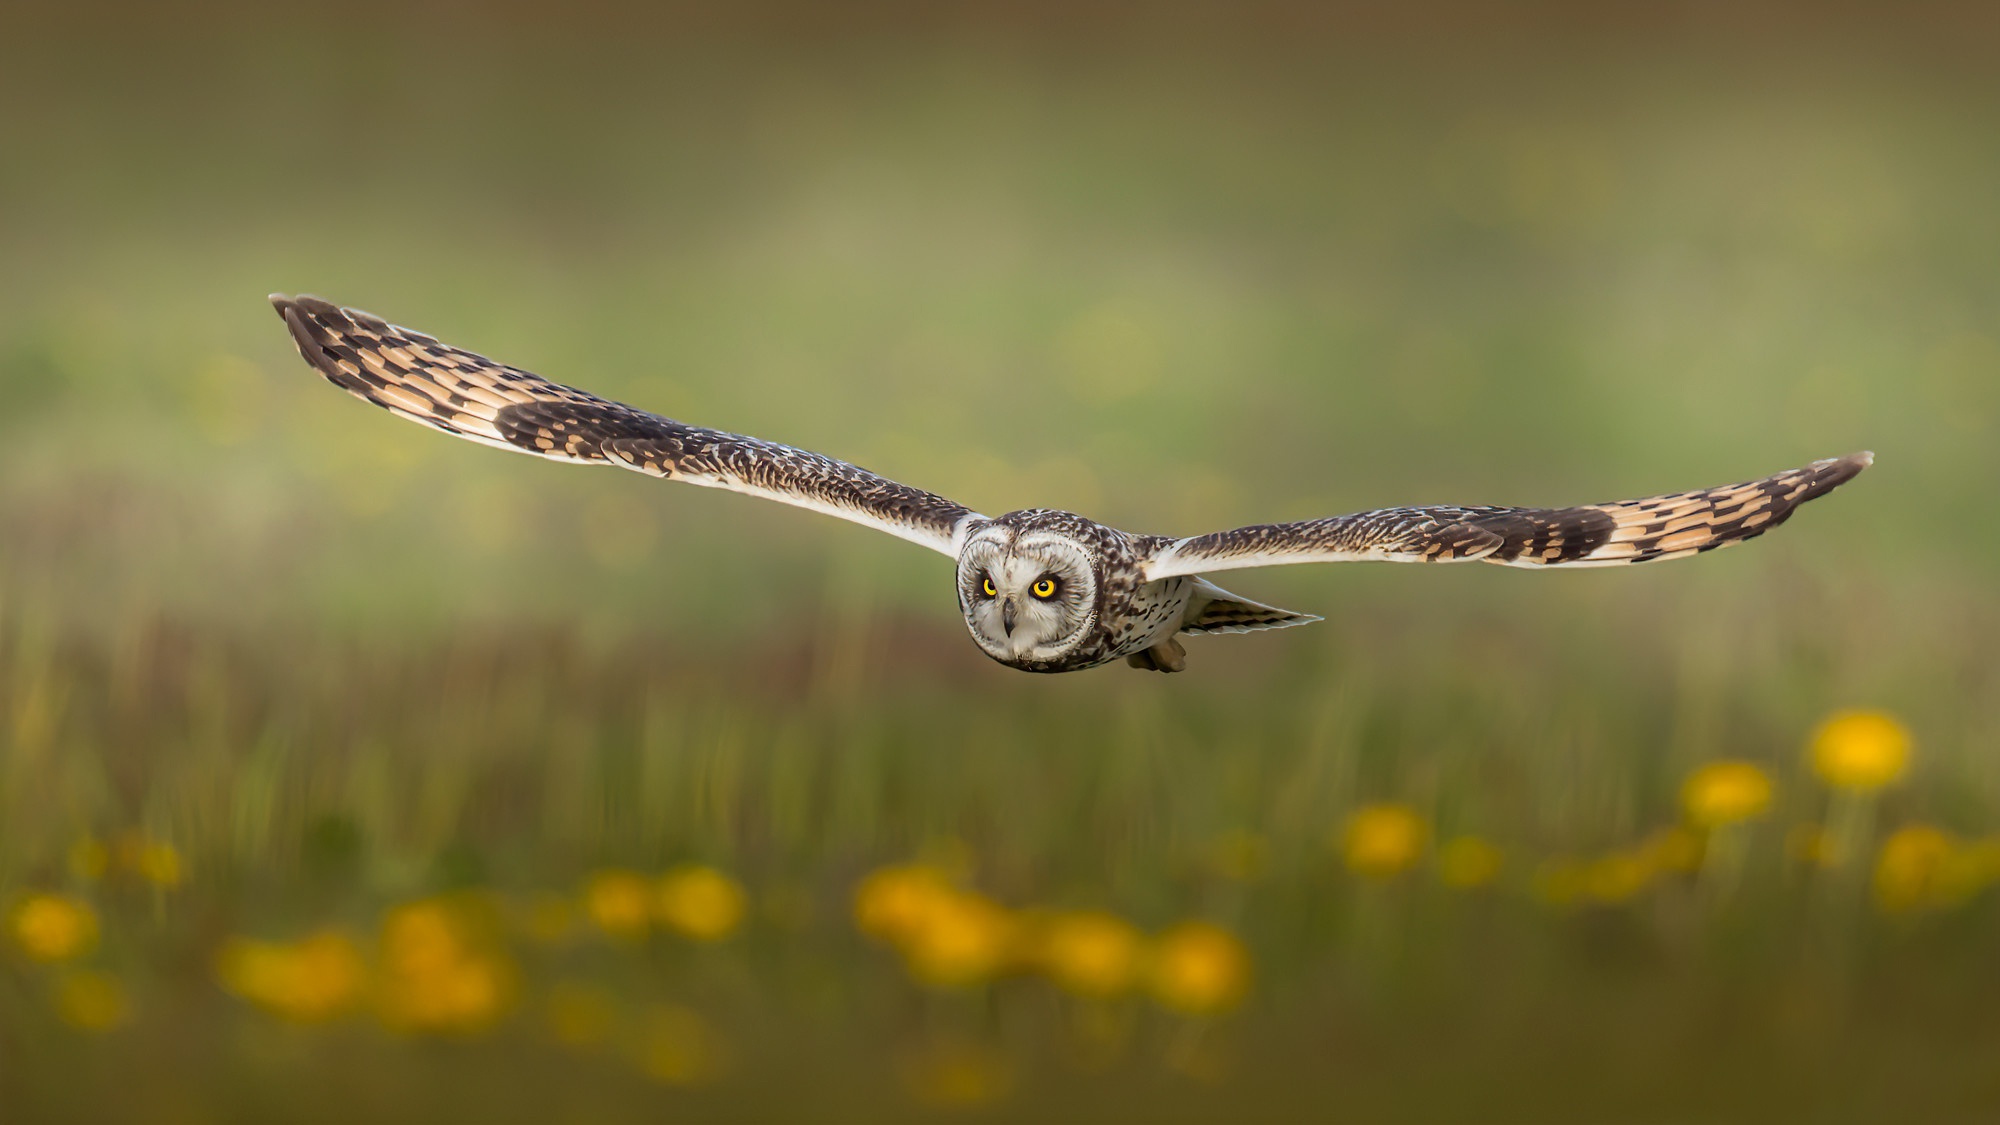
(1178, 270)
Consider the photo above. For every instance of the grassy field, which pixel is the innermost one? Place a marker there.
(350, 772)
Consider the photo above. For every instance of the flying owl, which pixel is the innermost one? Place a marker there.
(1041, 590)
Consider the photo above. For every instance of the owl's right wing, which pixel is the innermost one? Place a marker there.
(1616, 534)
(469, 396)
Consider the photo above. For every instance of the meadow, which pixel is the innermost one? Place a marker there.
(347, 771)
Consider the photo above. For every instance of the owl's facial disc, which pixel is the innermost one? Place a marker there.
(1027, 598)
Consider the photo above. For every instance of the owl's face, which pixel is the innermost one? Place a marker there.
(1029, 597)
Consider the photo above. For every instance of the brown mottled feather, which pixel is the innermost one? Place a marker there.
(469, 396)
(1615, 534)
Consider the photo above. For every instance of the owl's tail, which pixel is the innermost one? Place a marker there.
(1216, 610)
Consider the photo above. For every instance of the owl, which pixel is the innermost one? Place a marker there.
(1040, 590)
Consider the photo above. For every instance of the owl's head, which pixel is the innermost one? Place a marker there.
(1028, 590)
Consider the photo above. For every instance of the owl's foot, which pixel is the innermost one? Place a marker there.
(1167, 656)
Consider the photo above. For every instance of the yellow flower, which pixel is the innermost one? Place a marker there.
(679, 1048)
(313, 980)
(155, 861)
(1861, 750)
(620, 903)
(439, 972)
(961, 939)
(1091, 953)
(1616, 877)
(892, 901)
(1384, 840)
(1198, 968)
(92, 1001)
(1560, 881)
(959, 1074)
(52, 927)
(1466, 862)
(1909, 866)
(701, 902)
(581, 1014)
(1674, 849)
(1726, 792)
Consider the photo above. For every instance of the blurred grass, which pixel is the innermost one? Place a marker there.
(1175, 281)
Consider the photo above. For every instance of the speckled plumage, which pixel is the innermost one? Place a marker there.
(1110, 594)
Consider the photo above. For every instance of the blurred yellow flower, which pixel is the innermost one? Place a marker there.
(679, 1048)
(1092, 953)
(1465, 862)
(312, 980)
(620, 903)
(92, 1001)
(1726, 792)
(1198, 968)
(581, 1013)
(961, 939)
(1384, 840)
(1674, 849)
(1560, 881)
(701, 902)
(1616, 877)
(1909, 867)
(958, 1074)
(52, 927)
(155, 861)
(1861, 750)
(438, 972)
(892, 901)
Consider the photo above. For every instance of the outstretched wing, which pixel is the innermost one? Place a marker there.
(1630, 531)
(470, 396)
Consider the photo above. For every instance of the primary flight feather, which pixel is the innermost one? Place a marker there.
(1040, 590)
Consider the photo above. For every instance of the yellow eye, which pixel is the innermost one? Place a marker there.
(986, 587)
(1045, 589)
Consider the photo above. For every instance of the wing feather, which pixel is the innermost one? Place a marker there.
(414, 376)
(1616, 534)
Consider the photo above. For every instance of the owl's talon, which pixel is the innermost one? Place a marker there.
(1167, 656)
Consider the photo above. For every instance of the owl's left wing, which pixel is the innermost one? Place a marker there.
(1616, 534)
(415, 377)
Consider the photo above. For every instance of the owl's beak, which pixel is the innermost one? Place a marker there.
(1007, 616)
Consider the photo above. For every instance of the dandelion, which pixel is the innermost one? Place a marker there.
(678, 1047)
(1617, 877)
(1861, 750)
(1674, 849)
(892, 901)
(581, 1014)
(1465, 862)
(438, 973)
(1091, 953)
(1726, 792)
(701, 902)
(1909, 867)
(960, 940)
(620, 903)
(158, 863)
(52, 927)
(1560, 881)
(92, 1001)
(959, 1075)
(1197, 968)
(1383, 841)
(316, 979)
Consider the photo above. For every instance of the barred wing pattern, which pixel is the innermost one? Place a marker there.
(1630, 531)
(469, 396)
